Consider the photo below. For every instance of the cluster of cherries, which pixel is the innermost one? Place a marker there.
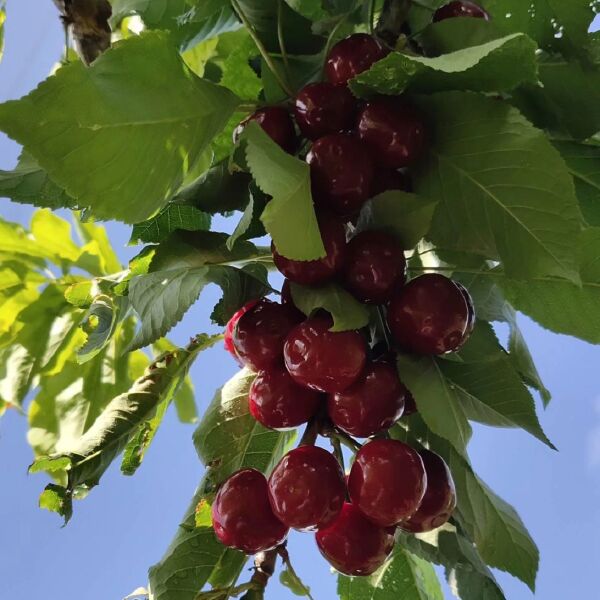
(308, 373)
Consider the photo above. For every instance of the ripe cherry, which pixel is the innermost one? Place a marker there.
(372, 404)
(287, 300)
(393, 130)
(375, 266)
(470, 306)
(260, 333)
(279, 403)
(429, 315)
(460, 8)
(323, 108)
(386, 180)
(324, 360)
(341, 170)
(316, 272)
(277, 123)
(387, 481)
(307, 488)
(230, 327)
(439, 501)
(354, 545)
(351, 56)
(242, 515)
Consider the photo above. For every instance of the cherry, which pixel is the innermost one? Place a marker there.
(316, 272)
(390, 179)
(460, 8)
(470, 306)
(351, 56)
(307, 488)
(387, 481)
(374, 403)
(439, 501)
(375, 266)
(260, 333)
(323, 108)
(354, 545)
(288, 300)
(429, 315)
(323, 360)
(341, 171)
(393, 130)
(242, 515)
(279, 403)
(230, 327)
(277, 123)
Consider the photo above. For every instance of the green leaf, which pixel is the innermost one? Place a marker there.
(504, 192)
(404, 576)
(499, 65)
(290, 579)
(347, 312)
(28, 183)
(56, 499)
(250, 226)
(171, 218)
(439, 401)
(228, 439)
(583, 161)
(300, 71)
(407, 216)
(99, 324)
(97, 243)
(290, 216)
(107, 153)
(238, 75)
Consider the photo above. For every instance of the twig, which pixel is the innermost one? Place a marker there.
(264, 567)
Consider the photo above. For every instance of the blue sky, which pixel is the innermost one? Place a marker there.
(126, 523)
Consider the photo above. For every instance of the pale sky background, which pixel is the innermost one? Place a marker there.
(125, 524)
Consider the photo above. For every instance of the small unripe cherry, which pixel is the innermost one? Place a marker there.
(460, 8)
(230, 327)
(354, 545)
(277, 402)
(387, 481)
(307, 488)
(242, 515)
(276, 122)
(439, 501)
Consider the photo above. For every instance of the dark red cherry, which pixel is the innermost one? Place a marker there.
(386, 180)
(279, 403)
(323, 360)
(316, 272)
(429, 315)
(287, 300)
(461, 8)
(242, 515)
(260, 333)
(323, 108)
(277, 123)
(375, 266)
(341, 171)
(230, 327)
(393, 130)
(354, 545)
(351, 56)
(387, 481)
(307, 488)
(470, 306)
(372, 404)
(439, 501)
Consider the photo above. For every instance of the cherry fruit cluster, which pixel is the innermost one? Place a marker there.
(308, 373)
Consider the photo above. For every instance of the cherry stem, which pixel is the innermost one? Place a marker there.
(337, 450)
(281, 40)
(384, 328)
(347, 440)
(285, 558)
(309, 437)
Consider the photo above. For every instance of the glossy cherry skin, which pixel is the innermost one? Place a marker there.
(354, 545)
(461, 8)
(470, 306)
(387, 482)
(230, 327)
(439, 501)
(322, 108)
(372, 404)
(242, 515)
(429, 315)
(323, 360)
(260, 333)
(341, 171)
(307, 488)
(276, 122)
(287, 300)
(375, 266)
(386, 180)
(279, 403)
(393, 130)
(317, 272)
(351, 56)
